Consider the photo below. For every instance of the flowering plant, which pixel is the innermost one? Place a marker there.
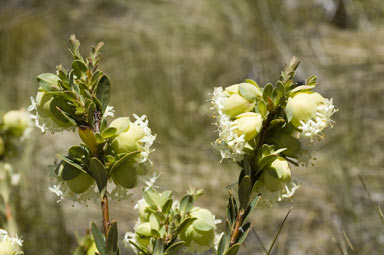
(265, 130)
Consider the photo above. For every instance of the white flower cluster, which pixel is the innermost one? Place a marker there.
(10, 245)
(229, 144)
(147, 140)
(313, 127)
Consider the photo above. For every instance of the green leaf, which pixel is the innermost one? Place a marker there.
(139, 248)
(112, 237)
(98, 172)
(245, 187)
(48, 81)
(88, 137)
(91, 112)
(57, 104)
(103, 91)
(99, 239)
(108, 132)
(266, 161)
(184, 224)
(79, 68)
(159, 247)
(267, 92)
(221, 246)
(71, 162)
(311, 80)
(262, 107)
(77, 151)
(174, 247)
(154, 222)
(302, 88)
(233, 250)
(167, 206)
(244, 232)
(186, 204)
(120, 161)
(69, 172)
(251, 206)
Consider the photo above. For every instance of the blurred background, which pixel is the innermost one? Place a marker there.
(164, 57)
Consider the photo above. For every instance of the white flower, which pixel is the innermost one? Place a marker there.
(148, 138)
(313, 127)
(10, 245)
(150, 183)
(109, 111)
(229, 143)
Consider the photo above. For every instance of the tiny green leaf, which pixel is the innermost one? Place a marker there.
(98, 172)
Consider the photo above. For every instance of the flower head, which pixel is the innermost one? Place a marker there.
(10, 245)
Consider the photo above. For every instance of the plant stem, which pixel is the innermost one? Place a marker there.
(239, 222)
(105, 211)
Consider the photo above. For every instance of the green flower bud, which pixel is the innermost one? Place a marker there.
(200, 234)
(303, 107)
(16, 121)
(236, 104)
(248, 124)
(2, 147)
(143, 233)
(125, 175)
(121, 124)
(80, 183)
(277, 174)
(128, 141)
(43, 101)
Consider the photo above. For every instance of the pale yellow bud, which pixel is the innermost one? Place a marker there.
(236, 104)
(277, 174)
(128, 141)
(303, 107)
(248, 124)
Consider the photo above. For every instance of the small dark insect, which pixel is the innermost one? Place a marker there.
(300, 82)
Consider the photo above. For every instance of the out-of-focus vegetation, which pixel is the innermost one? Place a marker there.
(163, 58)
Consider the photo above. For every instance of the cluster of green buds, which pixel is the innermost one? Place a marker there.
(115, 153)
(168, 227)
(10, 245)
(266, 130)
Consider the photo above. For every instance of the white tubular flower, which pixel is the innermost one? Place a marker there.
(311, 113)
(63, 191)
(230, 144)
(10, 245)
(109, 112)
(148, 139)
